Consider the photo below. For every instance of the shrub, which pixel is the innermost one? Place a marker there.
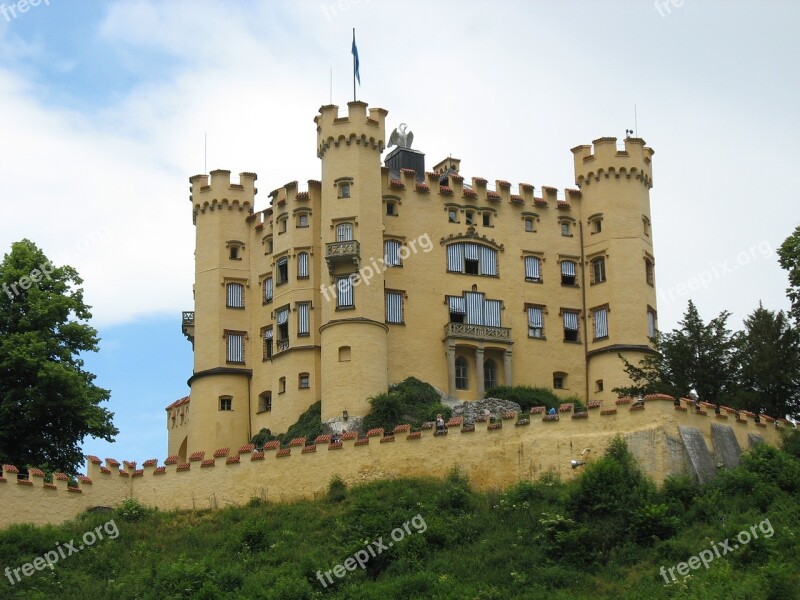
(131, 510)
(337, 490)
(526, 396)
(410, 401)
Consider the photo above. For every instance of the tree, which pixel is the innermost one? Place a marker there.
(789, 259)
(697, 355)
(769, 355)
(48, 402)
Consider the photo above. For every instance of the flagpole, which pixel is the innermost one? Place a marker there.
(354, 66)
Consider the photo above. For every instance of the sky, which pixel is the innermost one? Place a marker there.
(107, 108)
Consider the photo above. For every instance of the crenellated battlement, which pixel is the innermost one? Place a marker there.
(213, 191)
(359, 127)
(519, 449)
(604, 158)
(454, 190)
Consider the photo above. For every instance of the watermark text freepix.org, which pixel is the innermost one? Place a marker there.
(361, 558)
(379, 265)
(24, 283)
(51, 557)
(718, 550)
(19, 8)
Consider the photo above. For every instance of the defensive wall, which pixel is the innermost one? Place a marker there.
(667, 437)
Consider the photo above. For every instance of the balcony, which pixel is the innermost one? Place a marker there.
(484, 333)
(343, 252)
(187, 325)
(282, 345)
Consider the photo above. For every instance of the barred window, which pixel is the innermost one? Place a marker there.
(344, 296)
(267, 290)
(391, 253)
(394, 307)
(303, 311)
(535, 322)
(600, 323)
(235, 295)
(472, 259)
(568, 272)
(344, 232)
(234, 342)
(283, 270)
(302, 265)
(570, 325)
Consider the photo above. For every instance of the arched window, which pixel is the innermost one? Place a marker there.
(462, 378)
(344, 232)
(489, 374)
(302, 265)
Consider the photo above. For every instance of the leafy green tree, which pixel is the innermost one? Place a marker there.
(789, 259)
(769, 355)
(698, 354)
(48, 402)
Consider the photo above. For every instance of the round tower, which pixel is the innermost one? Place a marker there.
(353, 333)
(223, 350)
(619, 261)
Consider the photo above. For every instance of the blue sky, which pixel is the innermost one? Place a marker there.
(104, 107)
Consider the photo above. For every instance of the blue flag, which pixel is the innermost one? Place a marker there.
(356, 74)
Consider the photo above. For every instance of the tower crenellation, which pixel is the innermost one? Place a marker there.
(359, 126)
(605, 158)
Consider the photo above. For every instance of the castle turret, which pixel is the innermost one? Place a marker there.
(223, 356)
(353, 329)
(620, 297)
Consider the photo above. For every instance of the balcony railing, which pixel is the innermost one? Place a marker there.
(187, 325)
(282, 345)
(340, 252)
(478, 332)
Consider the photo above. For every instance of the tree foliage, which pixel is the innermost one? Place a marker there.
(411, 401)
(769, 355)
(48, 402)
(698, 354)
(789, 259)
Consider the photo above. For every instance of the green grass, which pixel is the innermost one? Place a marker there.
(603, 535)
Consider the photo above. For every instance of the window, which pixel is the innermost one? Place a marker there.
(470, 217)
(303, 313)
(529, 226)
(646, 225)
(344, 190)
(282, 319)
(648, 271)
(302, 220)
(533, 269)
(600, 323)
(565, 229)
(233, 253)
(234, 342)
(458, 308)
(282, 224)
(489, 374)
(267, 290)
(344, 232)
(598, 385)
(303, 381)
(535, 322)
(344, 353)
(559, 381)
(462, 380)
(344, 297)
(491, 312)
(268, 245)
(267, 342)
(487, 219)
(595, 223)
(235, 295)
(472, 259)
(452, 215)
(391, 253)
(570, 325)
(651, 322)
(302, 265)
(391, 209)
(598, 270)
(225, 403)
(394, 307)
(265, 402)
(283, 270)
(282, 385)
(568, 272)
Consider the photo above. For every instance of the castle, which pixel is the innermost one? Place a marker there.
(376, 273)
(379, 272)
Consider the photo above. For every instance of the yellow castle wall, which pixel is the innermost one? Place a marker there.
(491, 459)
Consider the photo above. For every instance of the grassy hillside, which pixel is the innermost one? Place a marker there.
(604, 535)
